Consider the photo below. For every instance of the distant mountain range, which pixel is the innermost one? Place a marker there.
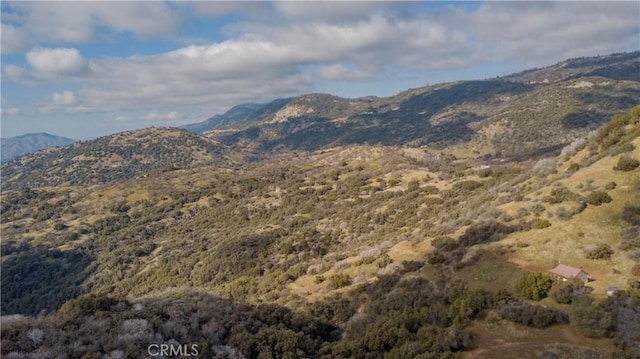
(533, 112)
(30, 142)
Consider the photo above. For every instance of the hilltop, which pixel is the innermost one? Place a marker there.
(111, 158)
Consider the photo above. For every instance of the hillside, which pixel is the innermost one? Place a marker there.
(528, 114)
(350, 251)
(111, 158)
(21, 145)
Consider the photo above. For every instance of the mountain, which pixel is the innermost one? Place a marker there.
(524, 115)
(31, 142)
(110, 158)
(236, 114)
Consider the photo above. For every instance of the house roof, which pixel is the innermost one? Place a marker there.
(566, 271)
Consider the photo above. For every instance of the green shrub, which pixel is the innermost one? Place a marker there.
(534, 285)
(589, 319)
(574, 167)
(536, 316)
(559, 195)
(565, 292)
(539, 223)
(602, 251)
(339, 280)
(597, 198)
(626, 163)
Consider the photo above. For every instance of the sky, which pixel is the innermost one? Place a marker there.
(86, 69)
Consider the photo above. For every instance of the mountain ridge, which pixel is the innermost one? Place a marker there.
(571, 98)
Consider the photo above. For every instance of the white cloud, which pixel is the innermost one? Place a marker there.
(75, 22)
(123, 119)
(15, 73)
(544, 31)
(255, 9)
(336, 11)
(171, 116)
(65, 101)
(12, 111)
(268, 63)
(57, 62)
(13, 40)
(342, 73)
(63, 98)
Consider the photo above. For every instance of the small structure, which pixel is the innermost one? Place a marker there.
(566, 272)
(611, 291)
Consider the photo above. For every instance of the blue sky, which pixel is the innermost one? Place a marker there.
(86, 69)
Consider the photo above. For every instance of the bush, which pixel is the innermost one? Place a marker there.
(626, 163)
(574, 167)
(339, 280)
(539, 223)
(559, 195)
(567, 292)
(602, 251)
(534, 285)
(591, 320)
(536, 316)
(631, 214)
(597, 198)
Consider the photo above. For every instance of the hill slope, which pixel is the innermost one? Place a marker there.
(115, 157)
(31, 142)
(332, 252)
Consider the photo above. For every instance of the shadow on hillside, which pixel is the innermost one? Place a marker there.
(37, 278)
(409, 123)
(215, 327)
(582, 120)
(465, 92)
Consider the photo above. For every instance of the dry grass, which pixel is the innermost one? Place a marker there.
(565, 241)
(407, 251)
(504, 339)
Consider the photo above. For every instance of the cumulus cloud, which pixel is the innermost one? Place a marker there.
(75, 22)
(546, 31)
(63, 98)
(333, 11)
(12, 111)
(57, 62)
(15, 73)
(13, 40)
(171, 116)
(341, 73)
(261, 65)
(65, 101)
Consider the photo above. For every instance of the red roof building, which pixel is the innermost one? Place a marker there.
(566, 272)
